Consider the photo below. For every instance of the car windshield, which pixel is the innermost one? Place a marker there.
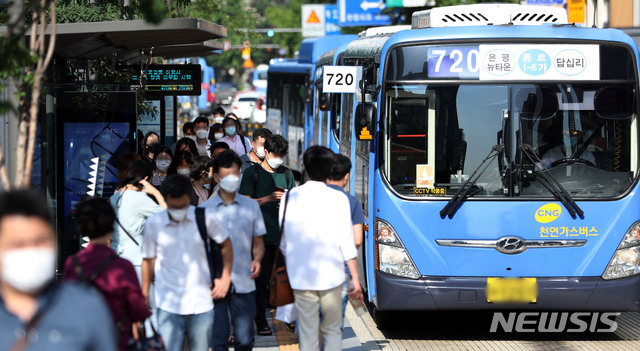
(584, 135)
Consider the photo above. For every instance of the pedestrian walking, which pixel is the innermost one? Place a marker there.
(317, 241)
(200, 177)
(187, 132)
(236, 141)
(216, 132)
(243, 221)
(35, 312)
(266, 183)
(162, 161)
(99, 266)
(201, 126)
(150, 139)
(257, 154)
(338, 179)
(174, 255)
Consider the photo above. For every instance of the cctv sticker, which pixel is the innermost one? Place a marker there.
(548, 213)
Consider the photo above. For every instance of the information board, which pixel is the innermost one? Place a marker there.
(162, 80)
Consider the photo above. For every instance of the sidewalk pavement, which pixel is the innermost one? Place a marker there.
(285, 339)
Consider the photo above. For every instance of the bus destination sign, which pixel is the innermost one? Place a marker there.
(163, 80)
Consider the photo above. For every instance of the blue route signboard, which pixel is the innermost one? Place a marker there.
(331, 18)
(362, 13)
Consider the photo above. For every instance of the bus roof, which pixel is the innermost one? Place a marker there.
(289, 66)
(326, 59)
(366, 47)
(311, 49)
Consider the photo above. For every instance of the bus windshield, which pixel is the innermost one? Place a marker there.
(583, 135)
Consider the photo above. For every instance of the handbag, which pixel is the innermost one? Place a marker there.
(280, 292)
(140, 342)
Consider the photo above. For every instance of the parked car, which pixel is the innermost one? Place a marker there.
(259, 114)
(244, 104)
(225, 91)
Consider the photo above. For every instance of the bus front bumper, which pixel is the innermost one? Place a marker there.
(467, 293)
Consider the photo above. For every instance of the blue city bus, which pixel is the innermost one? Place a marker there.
(497, 164)
(207, 97)
(290, 95)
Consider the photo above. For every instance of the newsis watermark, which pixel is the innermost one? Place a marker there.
(554, 322)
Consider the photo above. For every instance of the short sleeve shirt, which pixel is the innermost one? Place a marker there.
(132, 208)
(357, 216)
(243, 221)
(181, 270)
(266, 185)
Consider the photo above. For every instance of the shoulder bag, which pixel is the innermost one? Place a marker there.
(280, 291)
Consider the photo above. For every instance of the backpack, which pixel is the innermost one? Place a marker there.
(256, 174)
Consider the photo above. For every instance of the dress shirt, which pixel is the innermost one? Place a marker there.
(75, 318)
(242, 219)
(235, 144)
(118, 284)
(182, 275)
(318, 236)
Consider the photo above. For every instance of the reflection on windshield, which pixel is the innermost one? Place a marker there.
(438, 134)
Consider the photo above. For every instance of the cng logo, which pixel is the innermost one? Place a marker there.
(548, 213)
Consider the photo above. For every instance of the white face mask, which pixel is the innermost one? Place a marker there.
(162, 165)
(178, 214)
(260, 152)
(218, 119)
(218, 135)
(230, 183)
(274, 162)
(202, 133)
(184, 172)
(28, 270)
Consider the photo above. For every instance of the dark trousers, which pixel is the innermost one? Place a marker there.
(242, 309)
(262, 285)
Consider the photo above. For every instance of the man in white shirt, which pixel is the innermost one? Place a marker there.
(173, 252)
(243, 220)
(317, 240)
(238, 143)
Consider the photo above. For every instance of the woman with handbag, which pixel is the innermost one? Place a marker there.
(99, 266)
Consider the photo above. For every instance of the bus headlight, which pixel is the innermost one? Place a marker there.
(391, 255)
(626, 260)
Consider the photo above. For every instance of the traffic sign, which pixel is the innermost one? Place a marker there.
(362, 13)
(332, 16)
(313, 19)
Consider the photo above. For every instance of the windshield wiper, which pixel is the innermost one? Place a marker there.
(556, 188)
(462, 193)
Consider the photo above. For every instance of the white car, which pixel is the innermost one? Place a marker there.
(244, 103)
(259, 114)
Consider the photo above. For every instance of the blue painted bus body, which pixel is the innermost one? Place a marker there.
(569, 278)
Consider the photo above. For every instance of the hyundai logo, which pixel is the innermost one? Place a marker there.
(511, 245)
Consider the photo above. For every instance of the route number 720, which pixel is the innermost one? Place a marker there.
(340, 79)
(457, 56)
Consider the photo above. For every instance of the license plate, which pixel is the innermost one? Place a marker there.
(511, 290)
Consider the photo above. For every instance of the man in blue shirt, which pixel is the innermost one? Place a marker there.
(36, 313)
(243, 220)
(338, 179)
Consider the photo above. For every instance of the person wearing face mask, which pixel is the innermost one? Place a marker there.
(216, 132)
(150, 140)
(174, 255)
(266, 183)
(162, 161)
(243, 220)
(199, 178)
(99, 266)
(35, 312)
(201, 126)
(257, 154)
(236, 141)
(218, 115)
(187, 132)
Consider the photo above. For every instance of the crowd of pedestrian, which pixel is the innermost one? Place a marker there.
(185, 247)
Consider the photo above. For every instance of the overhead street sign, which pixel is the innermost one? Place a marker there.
(362, 13)
(164, 80)
(331, 19)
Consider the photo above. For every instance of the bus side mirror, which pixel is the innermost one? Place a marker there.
(326, 102)
(365, 121)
